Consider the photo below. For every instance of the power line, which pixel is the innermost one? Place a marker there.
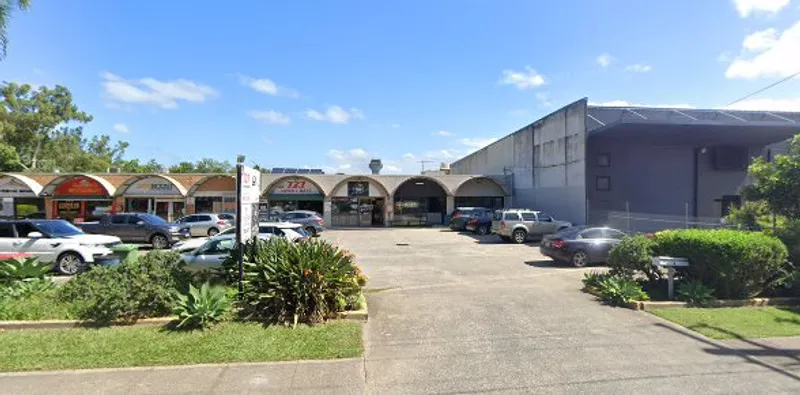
(764, 89)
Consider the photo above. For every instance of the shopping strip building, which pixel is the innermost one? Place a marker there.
(634, 168)
(343, 200)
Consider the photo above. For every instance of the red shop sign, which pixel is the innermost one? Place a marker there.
(80, 186)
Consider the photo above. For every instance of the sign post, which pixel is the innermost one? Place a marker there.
(248, 191)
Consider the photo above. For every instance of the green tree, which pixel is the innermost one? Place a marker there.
(9, 158)
(6, 7)
(777, 183)
(134, 166)
(183, 167)
(33, 120)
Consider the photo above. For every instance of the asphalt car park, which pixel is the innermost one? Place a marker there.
(452, 313)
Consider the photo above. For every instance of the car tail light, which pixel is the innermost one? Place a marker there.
(222, 223)
(473, 221)
(320, 221)
(558, 244)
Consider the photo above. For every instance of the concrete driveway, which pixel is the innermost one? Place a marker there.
(458, 314)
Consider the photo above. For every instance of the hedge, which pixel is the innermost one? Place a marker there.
(736, 264)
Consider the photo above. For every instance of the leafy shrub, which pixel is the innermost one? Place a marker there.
(592, 279)
(619, 291)
(26, 288)
(634, 254)
(127, 292)
(737, 264)
(695, 293)
(201, 308)
(39, 306)
(287, 282)
(23, 268)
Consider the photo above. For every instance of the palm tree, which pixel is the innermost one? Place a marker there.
(6, 6)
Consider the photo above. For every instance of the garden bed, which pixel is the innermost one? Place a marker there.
(736, 322)
(671, 304)
(82, 348)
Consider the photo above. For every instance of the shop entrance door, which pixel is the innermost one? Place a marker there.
(163, 210)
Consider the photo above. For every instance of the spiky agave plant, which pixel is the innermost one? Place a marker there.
(203, 307)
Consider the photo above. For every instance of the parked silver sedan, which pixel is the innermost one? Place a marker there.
(206, 224)
(213, 252)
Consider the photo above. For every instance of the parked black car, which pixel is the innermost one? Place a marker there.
(581, 246)
(460, 216)
(480, 222)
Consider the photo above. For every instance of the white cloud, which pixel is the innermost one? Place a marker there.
(477, 142)
(748, 7)
(393, 168)
(604, 59)
(335, 154)
(121, 128)
(544, 99)
(266, 86)
(623, 103)
(409, 156)
(774, 56)
(271, 116)
(150, 91)
(358, 153)
(335, 114)
(788, 105)
(523, 79)
(443, 133)
(761, 41)
(639, 68)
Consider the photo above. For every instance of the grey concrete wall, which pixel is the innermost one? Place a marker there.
(546, 159)
(657, 179)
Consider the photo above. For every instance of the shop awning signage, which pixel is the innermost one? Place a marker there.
(80, 186)
(152, 186)
(10, 187)
(297, 186)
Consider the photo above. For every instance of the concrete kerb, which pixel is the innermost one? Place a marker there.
(655, 305)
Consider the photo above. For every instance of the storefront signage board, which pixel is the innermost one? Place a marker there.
(10, 187)
(152, 186)
(80, 186)
(357, 188)
(295, 186)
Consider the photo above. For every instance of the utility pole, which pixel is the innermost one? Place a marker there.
(423, 162)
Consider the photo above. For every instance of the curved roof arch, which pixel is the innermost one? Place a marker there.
(51, 186)
(193, 189)
(272, 184)
(480, 178)
(384, 191)
(34, 186)
(444, 187)
(129, 182)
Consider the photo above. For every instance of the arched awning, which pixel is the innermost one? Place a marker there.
(50, 188)
(363, 178)
(171, 186)
(423, 179)
(34, 186)
(493, 188)
(193, 189)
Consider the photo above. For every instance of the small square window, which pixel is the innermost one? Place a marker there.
(603, 183)
(603, 160)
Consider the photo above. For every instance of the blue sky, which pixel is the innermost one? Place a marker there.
(334, 84)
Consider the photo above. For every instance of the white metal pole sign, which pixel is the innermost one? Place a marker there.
(248, 190)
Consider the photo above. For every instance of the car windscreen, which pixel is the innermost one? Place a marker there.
(153, 219)
(58, 228)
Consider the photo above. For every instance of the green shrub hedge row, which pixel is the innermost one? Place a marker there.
(736, 264)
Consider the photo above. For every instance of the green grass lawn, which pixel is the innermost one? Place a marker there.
(50, 349)
(736, 322)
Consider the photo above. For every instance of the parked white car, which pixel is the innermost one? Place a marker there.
(292, 231)
(213, 252)
(55, 241)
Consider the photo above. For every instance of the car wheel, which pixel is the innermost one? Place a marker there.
(213, 232)
(579, 259)
(70, 263)
(483, 230)
(519, 236)
(159, 242)
(311, 231)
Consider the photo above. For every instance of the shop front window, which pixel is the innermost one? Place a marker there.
(138, 205)
(96, 209)
(30, 208)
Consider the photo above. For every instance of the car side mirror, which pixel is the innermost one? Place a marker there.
(35, 235)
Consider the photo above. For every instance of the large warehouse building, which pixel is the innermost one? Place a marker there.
(635, 168)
